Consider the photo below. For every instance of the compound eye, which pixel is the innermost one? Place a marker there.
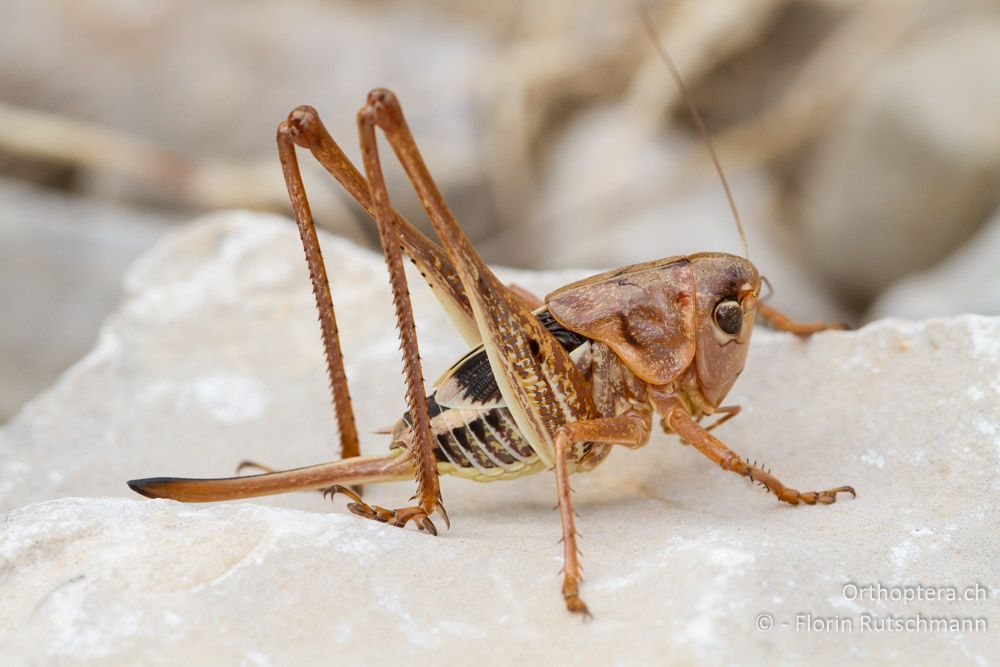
(729, 317)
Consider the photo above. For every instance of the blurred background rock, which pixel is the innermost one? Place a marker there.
(860, 136)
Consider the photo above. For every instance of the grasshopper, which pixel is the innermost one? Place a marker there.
(548, 384)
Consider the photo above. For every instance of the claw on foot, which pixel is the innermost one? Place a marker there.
(794, 497)
(571, 594)
(787, 494)
(331, 491)
(444, 514)
(826, 497)
(399, 517)
(577, 606)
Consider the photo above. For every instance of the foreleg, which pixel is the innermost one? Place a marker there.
(681, 423)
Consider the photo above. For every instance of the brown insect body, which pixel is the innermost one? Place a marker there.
(657, 317)
(550, 387)
(635, 326)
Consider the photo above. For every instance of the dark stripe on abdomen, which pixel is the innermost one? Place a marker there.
(486, 441)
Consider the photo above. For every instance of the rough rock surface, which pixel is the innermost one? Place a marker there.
(214, 356)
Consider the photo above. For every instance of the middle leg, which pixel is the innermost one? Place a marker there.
(631, 431)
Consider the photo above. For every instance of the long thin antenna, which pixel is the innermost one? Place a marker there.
(654, 37)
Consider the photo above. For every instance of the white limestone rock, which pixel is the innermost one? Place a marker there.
(214, 356)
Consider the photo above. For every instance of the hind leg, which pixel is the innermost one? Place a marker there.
(420, 445)
(304, 128)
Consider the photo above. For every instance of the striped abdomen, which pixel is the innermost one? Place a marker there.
(481, 444)
(475, 434)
